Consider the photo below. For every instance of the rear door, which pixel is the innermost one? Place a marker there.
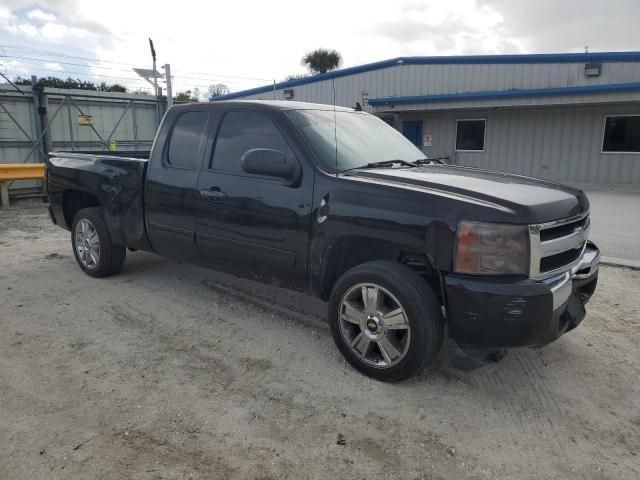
(251, 226)
(171, 193)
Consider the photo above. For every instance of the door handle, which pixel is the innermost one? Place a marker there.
(213, 194)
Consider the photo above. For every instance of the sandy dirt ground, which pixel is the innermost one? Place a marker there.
(169, 371)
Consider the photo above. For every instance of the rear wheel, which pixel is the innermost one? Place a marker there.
(386, 320)
(93, 248)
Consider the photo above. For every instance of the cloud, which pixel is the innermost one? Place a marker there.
(30, 29)
(54, 31)
(570, 25)
(26, 29)
(53, 20)
(507, 26)
(462, 27)
(225, 42)
(40, 15)
(53, 66)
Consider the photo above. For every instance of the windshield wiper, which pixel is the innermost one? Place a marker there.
(381, 164)
(431, 161)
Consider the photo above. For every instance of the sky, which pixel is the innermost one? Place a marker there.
(246, 44)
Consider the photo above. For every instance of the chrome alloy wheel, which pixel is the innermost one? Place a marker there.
(87, 244)
(374, 325)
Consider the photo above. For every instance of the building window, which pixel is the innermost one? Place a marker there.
(470, 135)
(622, 134)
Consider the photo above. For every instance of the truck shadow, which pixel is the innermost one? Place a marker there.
(518, 369)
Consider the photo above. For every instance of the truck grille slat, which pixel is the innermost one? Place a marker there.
(559, 260)
(562, 230)
(557, 246)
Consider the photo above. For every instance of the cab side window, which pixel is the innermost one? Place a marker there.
(186, 137)
(242, 131)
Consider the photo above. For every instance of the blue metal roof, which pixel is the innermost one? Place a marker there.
(442, 60)
(515, 93)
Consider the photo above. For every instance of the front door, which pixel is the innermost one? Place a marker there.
(413, 131)
(252, 226)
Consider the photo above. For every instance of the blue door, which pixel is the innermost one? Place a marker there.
(413, 131)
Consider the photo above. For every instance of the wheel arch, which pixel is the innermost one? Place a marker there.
(75, 200)
(351, 251)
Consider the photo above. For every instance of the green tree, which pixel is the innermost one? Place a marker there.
(322, 60)
(71, 83)
(217, 90)
(187, 96)
(294, 76)
(104, 87)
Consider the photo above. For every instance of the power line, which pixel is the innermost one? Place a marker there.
(65, 63)
(207, 79)
(211, 79)
(127, 81)
(116, 77)
(231, 76)
(119, 76)
(85, 74)
(56, 54)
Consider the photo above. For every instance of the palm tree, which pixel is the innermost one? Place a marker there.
(322, 60)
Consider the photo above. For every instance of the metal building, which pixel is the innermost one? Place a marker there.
(569, 117)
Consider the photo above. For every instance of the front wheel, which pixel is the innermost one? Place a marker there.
(386, 320)
(93, 248)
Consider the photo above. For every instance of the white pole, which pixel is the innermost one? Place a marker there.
(167, 77)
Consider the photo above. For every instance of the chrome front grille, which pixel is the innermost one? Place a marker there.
(557, 246)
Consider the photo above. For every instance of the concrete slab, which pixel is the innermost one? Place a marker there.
(615, 222)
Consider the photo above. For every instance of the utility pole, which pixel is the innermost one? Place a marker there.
(41, 101)
(167, 78)
(155, 81)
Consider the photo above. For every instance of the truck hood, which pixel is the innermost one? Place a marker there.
(530, 200)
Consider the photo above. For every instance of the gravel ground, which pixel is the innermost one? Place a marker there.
(172, 371)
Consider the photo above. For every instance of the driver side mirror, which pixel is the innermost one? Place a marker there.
(269, 162)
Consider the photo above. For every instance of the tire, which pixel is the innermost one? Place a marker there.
(415, 331)
(108, 258)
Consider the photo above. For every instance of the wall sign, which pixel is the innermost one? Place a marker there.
(85, 120)
(427, 140)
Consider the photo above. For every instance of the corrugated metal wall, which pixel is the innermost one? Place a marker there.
(436, 79)
(559, 143)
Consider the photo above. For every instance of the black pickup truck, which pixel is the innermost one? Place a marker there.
(407, 251)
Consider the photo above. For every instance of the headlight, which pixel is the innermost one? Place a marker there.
(491, 249)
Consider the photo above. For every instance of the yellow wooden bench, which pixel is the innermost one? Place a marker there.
(17, 171)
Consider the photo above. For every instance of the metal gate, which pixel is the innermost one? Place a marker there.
(37, 122)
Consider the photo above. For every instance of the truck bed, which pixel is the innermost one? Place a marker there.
(115, 181)
(137, 154)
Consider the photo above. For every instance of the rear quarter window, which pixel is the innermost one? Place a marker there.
(186, 137)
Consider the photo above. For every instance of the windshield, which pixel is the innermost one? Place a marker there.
(362, 138)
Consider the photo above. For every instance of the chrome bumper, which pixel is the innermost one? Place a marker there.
(586, 267)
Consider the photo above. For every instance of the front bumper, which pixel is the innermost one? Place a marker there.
(500, 314)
